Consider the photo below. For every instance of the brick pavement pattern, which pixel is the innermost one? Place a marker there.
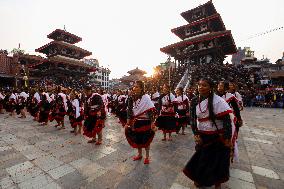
(33, 156)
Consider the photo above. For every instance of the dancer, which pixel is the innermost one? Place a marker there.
(222, 89)
(95, 116)
(75, 116)
(32, 107)
(60, 108)
(2, 97)
(211, 125)
(22, 103)
(181, 105)
(36, 101)
(233, 91)
(139, 130)
(105, 97)
(13, 103)
(166, 120)
(155, 97)
(44, 109)
(121, 108)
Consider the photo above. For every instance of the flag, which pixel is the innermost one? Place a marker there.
(184, 80)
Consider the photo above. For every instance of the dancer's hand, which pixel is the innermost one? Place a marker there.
(153, 127)
(127, 124)
(197, 139)
(240, 123)
(99, 114)
(228, 143)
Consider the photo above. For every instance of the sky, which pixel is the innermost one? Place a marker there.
(125, 34)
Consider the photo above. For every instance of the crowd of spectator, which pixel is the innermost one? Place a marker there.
(263, 98)
(247, 81)
(67, 82)
(217, 72)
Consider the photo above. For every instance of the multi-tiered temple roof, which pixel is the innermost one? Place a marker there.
(134, 75)
(62, 35)
(63, 57)
(63, 62)
(204, 39)
(63, 44)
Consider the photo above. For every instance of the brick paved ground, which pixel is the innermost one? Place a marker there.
(33, 156)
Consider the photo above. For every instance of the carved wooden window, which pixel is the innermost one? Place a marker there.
(203, 27)
(187, 31)
(195, 29)
(197, 14)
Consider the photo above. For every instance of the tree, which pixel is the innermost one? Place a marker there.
(17, 51)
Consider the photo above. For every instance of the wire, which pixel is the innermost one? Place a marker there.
(263, 33)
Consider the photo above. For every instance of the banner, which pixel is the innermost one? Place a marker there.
(184, 80)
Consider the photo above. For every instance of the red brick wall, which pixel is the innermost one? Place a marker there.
(5, 64)
(15, 66)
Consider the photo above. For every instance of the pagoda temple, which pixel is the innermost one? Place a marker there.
(204, 39)
(134, 75)
(63, 62)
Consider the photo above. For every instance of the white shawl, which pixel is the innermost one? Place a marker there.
(220, 108)
(76, 105)
(142, 105)
(2, 96)
(166, 102)
(47, 97)
(13, 96)
(64, 100)
(180, 100)
(228, 97)
(37, 97)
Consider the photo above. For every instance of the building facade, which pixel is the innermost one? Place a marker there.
(264, 71)
(9, 69)
(100, 77)
(237, 57)
(5, 63)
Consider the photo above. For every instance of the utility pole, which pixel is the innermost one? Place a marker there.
(169, 67)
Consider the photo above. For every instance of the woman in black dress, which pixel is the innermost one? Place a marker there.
(212, 128)
(166, 120)
(121, 109)
(139, 130)
(75, 113)
(44, 109)
(2, 97)
(222, 91)
(181, 105)
(95, 116)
